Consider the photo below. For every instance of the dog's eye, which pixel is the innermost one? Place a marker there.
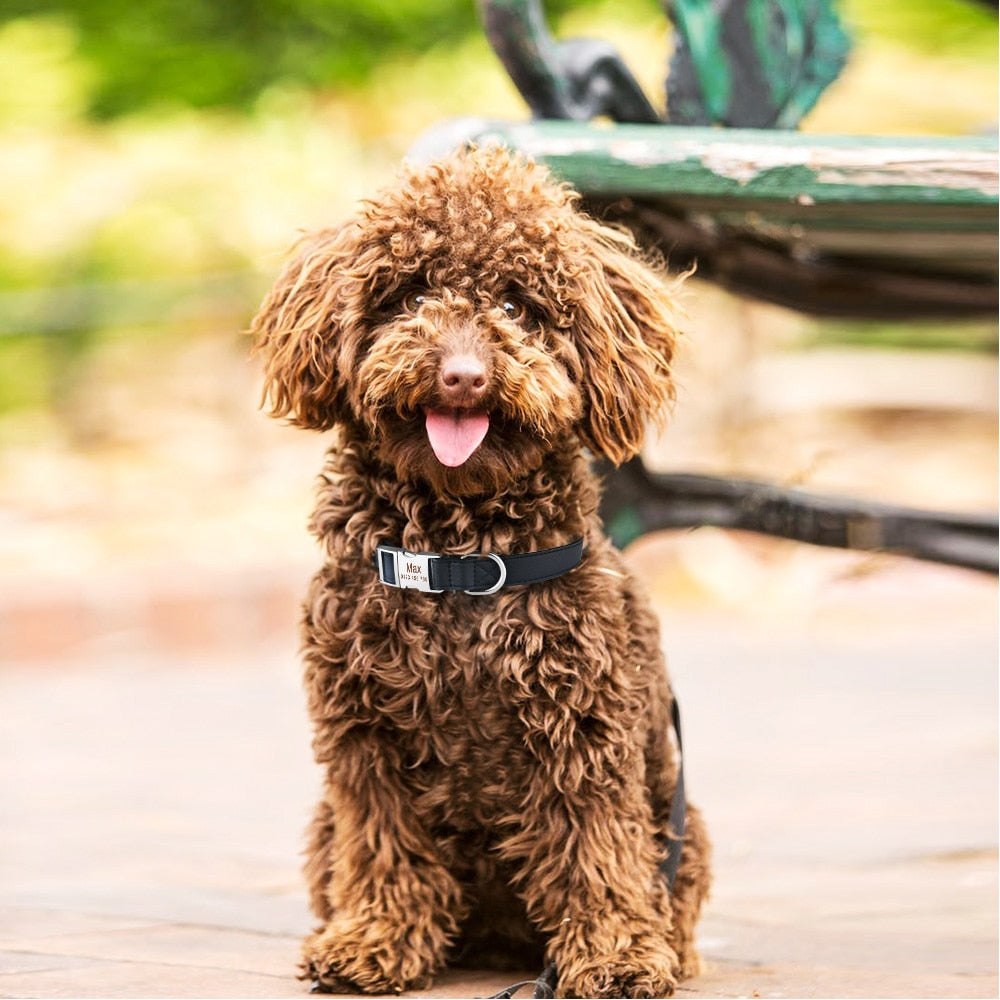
(412, 301)
(514, 310)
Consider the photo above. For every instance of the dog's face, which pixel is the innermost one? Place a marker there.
(467, 322)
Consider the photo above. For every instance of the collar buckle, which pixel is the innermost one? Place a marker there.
(405, 570)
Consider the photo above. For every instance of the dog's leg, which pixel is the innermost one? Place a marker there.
(690, 890)
(318, 862)
(693, 878)
(393, 908)
(586, 847)
(589, 886)
(662, 755)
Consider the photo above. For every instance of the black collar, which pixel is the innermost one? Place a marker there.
(475, 574)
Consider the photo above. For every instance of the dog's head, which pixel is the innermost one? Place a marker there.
(468, 321)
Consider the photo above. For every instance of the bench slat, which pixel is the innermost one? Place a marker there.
(856, 226)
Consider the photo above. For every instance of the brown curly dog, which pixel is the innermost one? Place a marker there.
(498, 767)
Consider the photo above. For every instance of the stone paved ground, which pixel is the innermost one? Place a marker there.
(844, 751)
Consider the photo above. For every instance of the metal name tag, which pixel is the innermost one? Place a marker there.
(412, 569)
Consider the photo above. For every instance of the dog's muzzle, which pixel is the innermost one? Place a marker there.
(479, 575)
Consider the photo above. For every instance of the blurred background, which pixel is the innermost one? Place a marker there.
(156, 161)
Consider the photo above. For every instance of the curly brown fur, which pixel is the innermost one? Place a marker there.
(498, 771)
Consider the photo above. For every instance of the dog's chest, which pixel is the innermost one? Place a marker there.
(470, 692)
(464, 738)
(439, 669)
(442, 675)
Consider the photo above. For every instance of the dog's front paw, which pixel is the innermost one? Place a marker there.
(690, 963)
(645, 968)
(368, 956)
(617, 977)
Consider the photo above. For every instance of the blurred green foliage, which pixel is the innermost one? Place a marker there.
(965, 27)
(934, 335)
(210, 53)
(224, 53)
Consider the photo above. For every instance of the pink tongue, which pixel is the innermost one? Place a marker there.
(456, 434)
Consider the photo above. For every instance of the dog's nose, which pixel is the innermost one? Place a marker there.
(463, 379)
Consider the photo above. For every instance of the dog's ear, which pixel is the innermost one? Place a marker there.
(625, 330)
(300, 330)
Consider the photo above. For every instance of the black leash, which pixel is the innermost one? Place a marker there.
(678, 807)
(545, 984)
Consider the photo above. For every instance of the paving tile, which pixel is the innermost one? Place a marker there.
(808, 981)
(202, 947)
(19, 924)
(93, 979)
(17, 962)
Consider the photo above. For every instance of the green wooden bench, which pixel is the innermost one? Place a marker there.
(830, 225)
